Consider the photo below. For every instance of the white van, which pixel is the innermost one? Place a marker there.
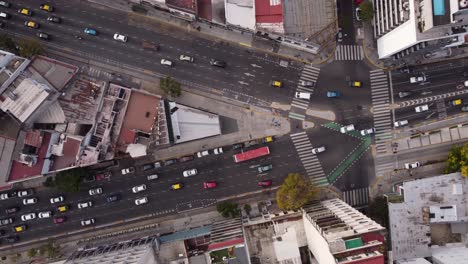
(302, 95)
(4, 15)
(152, 177)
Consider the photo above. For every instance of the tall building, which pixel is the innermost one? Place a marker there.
(404, 27)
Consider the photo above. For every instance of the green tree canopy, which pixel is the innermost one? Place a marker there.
(170, 86)
(29, 47)
(6, 43)
(32, 252)
(458, 160)
(367, 11)
(228, 209)
(295, 192)
(378, 210)
(50, 249)
(69, 180)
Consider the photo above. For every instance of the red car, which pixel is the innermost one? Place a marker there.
(209, 185)
(103, 176)
(59, 219)
(265, 183)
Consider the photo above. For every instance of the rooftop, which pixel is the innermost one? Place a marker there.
(66, 152)
(240, 13)
(142, 112)
(269, 11)
(434, 212)
(55, 72)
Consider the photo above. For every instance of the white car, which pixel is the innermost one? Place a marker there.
(128, 170)
(318, 150)
(401, 123)
(347, 128)
(189, 173)
(166, 62)
(139, 188)
(45, 214)
(302, 95)
(140, 201)
(24, 193)
(366, 132)
(421, 108)
(85, 204)
(307, 83)
(87, 222)
(218, 151)
(186, 58)
(27, 217)
(417, 79)
(57, 199)
(4, 196)
(358, 14)
(95, 191)
(203, 153)
(120, 37)
(412, 165)
(28, 201)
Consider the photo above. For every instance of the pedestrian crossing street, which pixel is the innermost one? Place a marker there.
(95, 73)
(309, 161)
(349, 52)
(357, 197)
(381, 105)
(308, 73)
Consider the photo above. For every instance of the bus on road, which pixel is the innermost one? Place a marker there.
(251, 154)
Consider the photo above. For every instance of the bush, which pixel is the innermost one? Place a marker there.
(228, 209)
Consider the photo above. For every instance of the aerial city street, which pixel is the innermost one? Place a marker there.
(233, 131)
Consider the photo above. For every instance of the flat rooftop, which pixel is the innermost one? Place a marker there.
(142, 112)
(56, 73)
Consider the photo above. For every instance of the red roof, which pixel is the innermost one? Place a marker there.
(267, 13)
(126, 137)
(21, 171)
(33, 138)
(205, 9)
(189, 5)
(376, 260)
(71, 148)
(224, 244)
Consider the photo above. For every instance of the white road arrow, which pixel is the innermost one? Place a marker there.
(243, 83)
(249, 74)
(256, 66)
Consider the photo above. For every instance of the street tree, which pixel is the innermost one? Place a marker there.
(458, 160)
(228, 209)
(69, 180)
(367, 11)
(51, 249)
(32, 252)
(378, 210)
(6, 43)
(170, 86)
(29, 47)
(295, 192)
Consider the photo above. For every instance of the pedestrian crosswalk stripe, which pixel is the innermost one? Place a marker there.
(309, 161)
(296, 116)
(349, 52)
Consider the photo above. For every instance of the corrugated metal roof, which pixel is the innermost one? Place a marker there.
(33, 138)
(269, 11)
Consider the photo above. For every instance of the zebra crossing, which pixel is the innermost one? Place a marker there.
(309, 74)
(349, 52)
(384, 164)
(357, 197)
(96, 73)
(381, 104)
(309, 161)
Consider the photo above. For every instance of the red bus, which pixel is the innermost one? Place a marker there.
(251, 154)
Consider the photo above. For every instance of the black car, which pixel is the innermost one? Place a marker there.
(54, 19)
(218, 63)
(186, 158)
(2, 232)
(6, 221)
(148, 166)
(170, 162)
(113, 198)
(42, 35)
(11, 210)
(11, 239)
(237, 146)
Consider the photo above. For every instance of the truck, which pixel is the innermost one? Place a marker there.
(251, 154)
(148, 45)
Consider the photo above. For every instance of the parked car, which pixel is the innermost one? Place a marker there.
(148, 166)
(170, 162)
(57, 199)
(209, 185)
(400, 123)
(20, 228)
(95, 191)
(186, 158)
(4, 196)
(11, 210)
(60, 219)
(28, 201)
(464, 108)
(368, 131)
(44, 214)
(84, 205)
(265, 183)
(203, 153)
(318, 150)
(113, 198)
(24, 193)
(412, 165)
(103, 176)
(4, 15)
(191, 172)
(5, 4)
(186, 58)
(265, 168)
(87, 222)
(152, 177)
(128, 170)
(139, 188)
(421, 108)
(142, 200)
(237, 146)
(333, 94)
(6, 221)
(346, 129)
(28, 217)
(177, 186)
(358, 14)
(157, 164)
(62, 208)
(12, 239)
(218, 151)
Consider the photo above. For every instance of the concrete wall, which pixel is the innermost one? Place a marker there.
(317, 244)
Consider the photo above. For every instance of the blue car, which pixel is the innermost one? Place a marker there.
(333, 94)
(90, 31)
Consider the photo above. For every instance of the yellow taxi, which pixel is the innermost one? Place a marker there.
(47, 7)
(355, 84)
(31, 24)
(276, 83)
(268, 139)
(62, 208)
(177, 186)
(456, 102)
(19, 229)
(25, 11)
